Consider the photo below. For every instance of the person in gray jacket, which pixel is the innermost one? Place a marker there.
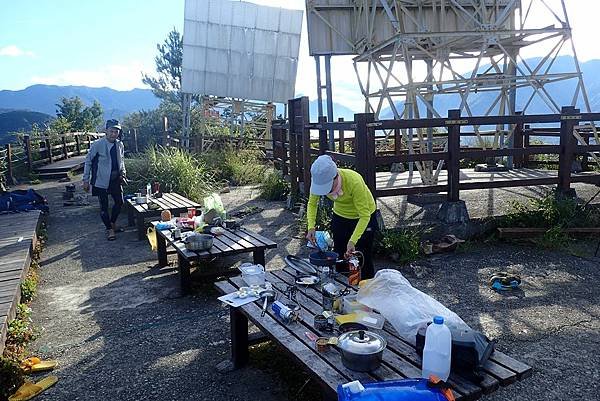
(104, 171)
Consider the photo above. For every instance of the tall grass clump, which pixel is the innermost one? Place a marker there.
(175, 169)
(274, 187)
(400, 245)
(554, 213)
(236, 166)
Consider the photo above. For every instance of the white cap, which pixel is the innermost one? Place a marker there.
(322, 173)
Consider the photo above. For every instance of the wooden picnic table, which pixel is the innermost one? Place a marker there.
(231, 242)
(400, 359)
(169, 201)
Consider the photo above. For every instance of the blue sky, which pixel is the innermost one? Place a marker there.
(87, 42)
(109, 42)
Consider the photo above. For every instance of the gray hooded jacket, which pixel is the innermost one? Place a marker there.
(98, 164)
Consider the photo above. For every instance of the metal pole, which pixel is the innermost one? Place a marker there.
(512, 102)
(329, 100)
(319, 87)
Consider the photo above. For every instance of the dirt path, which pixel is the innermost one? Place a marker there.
(120, 331)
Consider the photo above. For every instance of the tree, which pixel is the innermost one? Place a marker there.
(75, 116)
(168, 66)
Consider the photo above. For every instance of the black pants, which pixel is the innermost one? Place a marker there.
(342, 230)
(114, 190)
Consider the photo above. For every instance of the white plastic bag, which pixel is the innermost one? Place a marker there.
(405, 307)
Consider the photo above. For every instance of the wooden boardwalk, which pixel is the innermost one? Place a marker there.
(386, 180)
(18, 236)
(61, 168)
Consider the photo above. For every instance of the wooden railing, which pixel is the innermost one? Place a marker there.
(294, 150)
(30, 152)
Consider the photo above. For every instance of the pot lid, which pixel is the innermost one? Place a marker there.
(361, 342)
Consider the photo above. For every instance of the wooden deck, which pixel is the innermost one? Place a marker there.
(60, 168)
(17, 240)
(386, 180)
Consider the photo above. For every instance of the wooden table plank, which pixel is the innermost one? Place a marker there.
(522, 370)
(267, 242)
(182, 200)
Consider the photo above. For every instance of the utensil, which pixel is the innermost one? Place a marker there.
(198, 242)
(269, 296)
(323, 258)
(300, 265)
(362, 350)
(307, 280)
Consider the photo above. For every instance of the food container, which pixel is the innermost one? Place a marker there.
(253, 275)
(198, 242)
(362, 350)
(140, 200)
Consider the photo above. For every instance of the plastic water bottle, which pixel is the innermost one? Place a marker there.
(438, 347)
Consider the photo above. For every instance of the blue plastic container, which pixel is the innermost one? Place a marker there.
(393, 390)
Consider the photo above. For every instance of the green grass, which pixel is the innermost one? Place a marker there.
(274, 187)
(175, 169)
(402, 244)
(235, 166)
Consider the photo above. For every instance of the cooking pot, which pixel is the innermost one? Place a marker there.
(140, 200)
(198, 242)
(362, 350)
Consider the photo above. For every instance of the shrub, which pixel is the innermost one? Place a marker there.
(401, 245)
(554, 213)
(274, 186)
(11, 377)
(28, 287)
(175, 169)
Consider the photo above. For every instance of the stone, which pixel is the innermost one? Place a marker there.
(453, 212)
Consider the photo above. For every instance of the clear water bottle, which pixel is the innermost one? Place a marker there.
(437, 351)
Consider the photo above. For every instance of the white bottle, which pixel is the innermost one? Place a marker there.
(438, 347)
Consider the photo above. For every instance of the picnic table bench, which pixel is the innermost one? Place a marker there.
(169, 201)
(400, 359)
(231, 242)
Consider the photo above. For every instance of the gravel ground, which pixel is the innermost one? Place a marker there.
(119, 329)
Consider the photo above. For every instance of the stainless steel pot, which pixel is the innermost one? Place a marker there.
(362, 350)
(198, 242)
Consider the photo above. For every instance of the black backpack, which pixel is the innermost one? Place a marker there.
(470, 351)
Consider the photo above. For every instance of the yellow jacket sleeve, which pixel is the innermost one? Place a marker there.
(311, 210)
(362, 200)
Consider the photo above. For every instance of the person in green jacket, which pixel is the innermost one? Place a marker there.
(354, 223)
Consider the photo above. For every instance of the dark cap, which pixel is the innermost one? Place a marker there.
(113, 124)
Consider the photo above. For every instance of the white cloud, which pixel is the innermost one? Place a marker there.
(116, 76)
(14, 51)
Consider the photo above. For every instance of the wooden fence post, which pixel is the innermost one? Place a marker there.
(518, 141)
(569, 118)
(292, 149)
(453, 155)
(342, 140)
(48, 150)
(78, 144)
(397, 142)
(526, 143)
(323, 142)
(10, 180)
(64, 146)
(28, 152)
(364, 141)
(306, 156)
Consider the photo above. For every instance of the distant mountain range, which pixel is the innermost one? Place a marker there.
(19, 120)
(43, 99)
